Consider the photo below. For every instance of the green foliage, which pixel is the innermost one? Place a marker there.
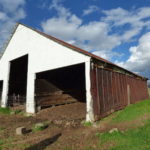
(8, 111)
(132, 111)
(39, 128)
(1, 142)
(36, 129)
(87, 124)
(133, 139)
(5, 110)
(6, 143)
(2, 128)
(18, 111)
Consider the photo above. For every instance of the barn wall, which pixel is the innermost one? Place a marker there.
(43, 54)
(112, 91)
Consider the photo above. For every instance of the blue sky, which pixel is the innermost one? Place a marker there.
(117, 30)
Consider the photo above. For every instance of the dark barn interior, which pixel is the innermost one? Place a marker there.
(60, 86)
(1, 89)
(18, 80)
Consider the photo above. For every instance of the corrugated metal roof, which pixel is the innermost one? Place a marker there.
(79, 50)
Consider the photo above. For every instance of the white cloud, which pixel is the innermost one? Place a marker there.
(139, 60)
(90, 10)
(11, 12)
(97, 36)
(136, 20)
(3, 16)
(69, 27)
(11, 5)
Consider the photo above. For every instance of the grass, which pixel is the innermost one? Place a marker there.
(133, 139)
(87, 124)
(6, 143)
(18, 111)
(132, 112)
(40, 128)
(8, 111)
(36, 129)
(2, 128)
(5, 110)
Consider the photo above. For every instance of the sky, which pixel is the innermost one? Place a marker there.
(117, 30)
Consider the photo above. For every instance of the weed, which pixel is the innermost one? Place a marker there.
(2, 128)
(39, 127)
(18, 111)
(5, 110)
(1, 142)
(87, 124)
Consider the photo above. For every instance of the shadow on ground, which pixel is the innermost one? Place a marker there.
(43, 144)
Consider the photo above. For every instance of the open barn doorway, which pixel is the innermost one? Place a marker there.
(62, 86)
(1, 89)
(18, 81)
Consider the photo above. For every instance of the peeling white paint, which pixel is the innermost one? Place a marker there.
(89, 101)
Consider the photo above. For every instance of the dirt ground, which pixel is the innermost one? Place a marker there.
(64, 132)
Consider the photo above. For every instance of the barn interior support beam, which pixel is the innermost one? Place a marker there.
(30, 102)
(4, 100)
(89, 100)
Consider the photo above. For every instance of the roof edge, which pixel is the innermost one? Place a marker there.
(74, 48)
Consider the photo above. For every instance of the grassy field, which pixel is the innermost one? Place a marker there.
(132, 132)
(133, 137)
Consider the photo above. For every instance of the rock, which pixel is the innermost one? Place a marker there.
(113, 130)
(21, 130)
(58, 122)
(68, 124)
(29, 115)
(38, 108)
(12, 113)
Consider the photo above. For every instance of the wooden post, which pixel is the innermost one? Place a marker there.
(128, 93)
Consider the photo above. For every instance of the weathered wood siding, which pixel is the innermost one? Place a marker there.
(112, 91)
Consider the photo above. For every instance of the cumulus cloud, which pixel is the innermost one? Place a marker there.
(10, 12)
(90, 10)
(70, 27)
(139, 60)
(97, 36)
(136, 20)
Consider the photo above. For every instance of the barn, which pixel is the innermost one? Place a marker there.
(38, 70)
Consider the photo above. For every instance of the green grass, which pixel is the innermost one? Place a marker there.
(2, 128)
(5, 110)
(36, 129)
(6, 143)
(18, 111)
(39, 128)
(8, 111)
(132, 112)
(87, 124)
(133, 139)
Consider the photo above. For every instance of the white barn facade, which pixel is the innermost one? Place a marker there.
(43, 54)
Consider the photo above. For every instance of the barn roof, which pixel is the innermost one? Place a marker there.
(79, 50)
